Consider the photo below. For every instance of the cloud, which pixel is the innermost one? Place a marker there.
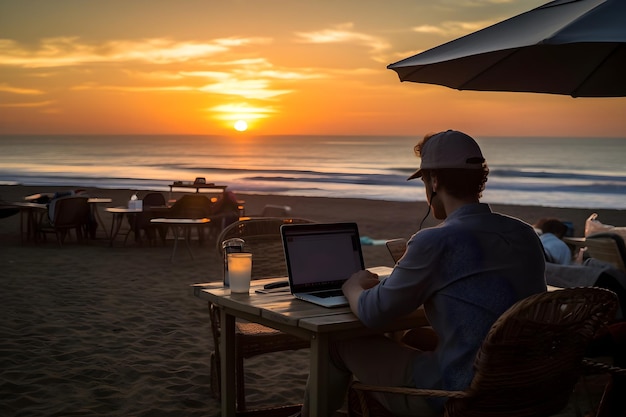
(28, 105)
(254, 68)
(236, 111)
(250, 78)
(231, 68)
(71, 51)
(343, 33)
(475, 3)
(142, 89)
(5, 88)
(245, 83)
(252, 89)
(453, 28)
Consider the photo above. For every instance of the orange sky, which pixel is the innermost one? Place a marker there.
(284, 66)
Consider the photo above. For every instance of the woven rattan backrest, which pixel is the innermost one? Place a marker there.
(263, 240)
(532, 357)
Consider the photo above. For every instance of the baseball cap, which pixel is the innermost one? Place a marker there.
(449, 149)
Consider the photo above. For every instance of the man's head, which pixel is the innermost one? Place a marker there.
(554, 226)
(451, 161)
(448, 150)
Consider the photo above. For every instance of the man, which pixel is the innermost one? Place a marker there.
(465, 272)
(552, 233)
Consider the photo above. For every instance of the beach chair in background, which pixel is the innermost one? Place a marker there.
(7, 209)
(225, 211)
(191, 206)
(67, 214)
(273, 210)
(607, 247)
(153, 206)
(529, 363)
(263, 239)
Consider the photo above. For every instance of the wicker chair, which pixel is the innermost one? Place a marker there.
(527, 365)
(262, 238)
(612, 403)
(611, 344)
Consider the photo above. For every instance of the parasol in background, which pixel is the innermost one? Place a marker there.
(569, 47)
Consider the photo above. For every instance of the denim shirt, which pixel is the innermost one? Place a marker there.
(466, 272)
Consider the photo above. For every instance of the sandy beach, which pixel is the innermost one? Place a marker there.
(93, 330)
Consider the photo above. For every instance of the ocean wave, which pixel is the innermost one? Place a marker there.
(583, 176)
(394, 174)
(592, 184)
(284, 179)
(357, 179)
(588, 188)
(550, 171)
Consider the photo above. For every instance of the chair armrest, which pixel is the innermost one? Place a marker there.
(601, 367)
(363, 405)
(358, 386)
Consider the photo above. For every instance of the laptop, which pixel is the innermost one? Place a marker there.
(320, 257)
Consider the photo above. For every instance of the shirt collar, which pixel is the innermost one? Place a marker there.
(469, 209)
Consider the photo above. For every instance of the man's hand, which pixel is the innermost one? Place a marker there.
(355, 285)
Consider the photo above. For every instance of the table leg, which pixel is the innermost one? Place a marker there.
(31, 225)
(186, 240)
(180, 232)
(116, 223)
(37, 221)
(318, 375)
(132, 227)
(32, 217)
(95, 214)
(175, 231)
(22, 214)
(227, 358)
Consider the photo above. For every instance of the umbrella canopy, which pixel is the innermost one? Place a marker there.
(570, 47)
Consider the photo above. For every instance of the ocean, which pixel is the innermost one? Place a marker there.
(548, 171)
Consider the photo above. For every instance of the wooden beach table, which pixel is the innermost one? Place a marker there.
(180, 228)
(95, 213)
(281, 311)
(196, 186)
(117, 218)
(31, 215)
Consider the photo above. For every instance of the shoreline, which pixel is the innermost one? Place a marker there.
(93, 330)
(403, 222)
(162, 186)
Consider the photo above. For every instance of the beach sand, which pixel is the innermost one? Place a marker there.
(93, 330)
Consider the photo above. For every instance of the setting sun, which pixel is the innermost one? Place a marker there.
(241, 125)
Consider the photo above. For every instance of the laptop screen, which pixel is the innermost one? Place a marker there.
(321, 256)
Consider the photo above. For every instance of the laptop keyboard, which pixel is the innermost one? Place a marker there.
(329, 293)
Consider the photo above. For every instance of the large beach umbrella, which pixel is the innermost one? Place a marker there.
(571, 47)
